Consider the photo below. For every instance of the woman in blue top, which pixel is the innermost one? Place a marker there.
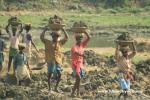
(21, 65)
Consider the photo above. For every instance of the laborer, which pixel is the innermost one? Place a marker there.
(53, 54)
(124, 64)
(20, 63)
(77, 54)
(14, 38)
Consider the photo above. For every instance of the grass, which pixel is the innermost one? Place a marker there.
(91, 19)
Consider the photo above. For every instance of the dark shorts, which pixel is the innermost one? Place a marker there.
(81, 73)
(54, 68)
(12, 52)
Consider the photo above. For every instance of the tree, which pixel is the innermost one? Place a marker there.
(116, 3)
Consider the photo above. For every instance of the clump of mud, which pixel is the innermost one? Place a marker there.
(144, 67)
(92, 84)
(95, 84)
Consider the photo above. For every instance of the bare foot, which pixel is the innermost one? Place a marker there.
(72, 95)
(78, 95)
(58, 91)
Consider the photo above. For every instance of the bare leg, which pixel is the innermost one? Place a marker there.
(58, 80)
(19, 81)
(76, 85)
(9, 63)
(125, 94)
(1, 66)
(49, 81)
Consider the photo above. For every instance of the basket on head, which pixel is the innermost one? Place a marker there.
(21, 46)
(56, 27)
(55, 23)
(14, 21)
(79, 27)
(123, 43)
(124, 39)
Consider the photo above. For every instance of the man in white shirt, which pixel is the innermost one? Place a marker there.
(27, 39)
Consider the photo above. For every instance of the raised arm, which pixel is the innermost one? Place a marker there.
(87, 35)
(65, 33)
(63, 41)
(87, 38)
(7, 30)
(21, 29)
(117, 51)
(42, 36)
(134, 51)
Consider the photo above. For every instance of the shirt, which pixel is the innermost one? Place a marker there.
(53, 50)
(123, 63)
(27, 40)
(20, 59)
(76, 59)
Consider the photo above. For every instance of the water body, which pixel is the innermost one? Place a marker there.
(95, 42)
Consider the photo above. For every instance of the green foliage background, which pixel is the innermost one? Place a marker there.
(65, 4)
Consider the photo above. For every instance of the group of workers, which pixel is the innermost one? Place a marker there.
(20, 54)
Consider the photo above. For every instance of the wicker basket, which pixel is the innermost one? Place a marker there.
(124, 43)
(56, 27)
(78, 29)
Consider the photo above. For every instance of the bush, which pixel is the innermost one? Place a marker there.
(113, 11)
(135, 10)
(115, 3)
(99, 10)
(147, 8)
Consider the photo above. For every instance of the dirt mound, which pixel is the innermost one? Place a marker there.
(92, 84)
(144, 67)
(143, 47)
(94, 59)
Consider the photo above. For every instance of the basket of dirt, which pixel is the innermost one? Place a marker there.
(124, 40)
(55, 23)
(79, 27)
(14, 21)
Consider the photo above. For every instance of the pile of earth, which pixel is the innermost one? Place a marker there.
(143, 47)
(94, 59)
(36, 90)
(92, 84)
(144, 67)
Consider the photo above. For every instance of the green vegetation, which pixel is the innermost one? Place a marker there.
(83, 6)
(92, 20)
